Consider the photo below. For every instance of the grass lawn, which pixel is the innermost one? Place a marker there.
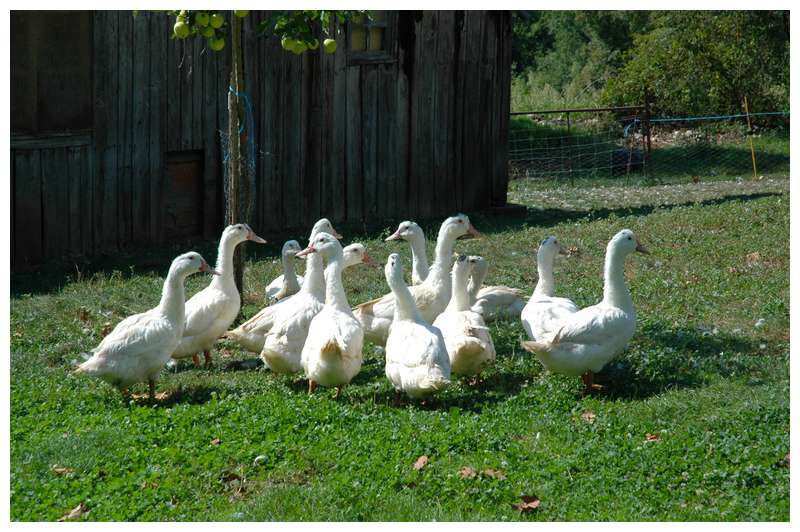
(693, 425)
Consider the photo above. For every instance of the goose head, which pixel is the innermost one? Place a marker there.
(626, 242)
(549, 247)
(189, 263)
(355, 254)
(323, 225)
(325, 244)
(290, 248)
(462, 267)
(479, 266)
(239, 233)
(459, 227)
(393, 271)
(408, 231)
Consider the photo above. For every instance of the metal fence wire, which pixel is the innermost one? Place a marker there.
(625, 142)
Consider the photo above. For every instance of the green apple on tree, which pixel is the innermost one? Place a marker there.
(217, 21)
(181, 29)
(329, 45)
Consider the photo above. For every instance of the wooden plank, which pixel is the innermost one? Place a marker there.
(74, 192)
(369, 132)
(211, 162)
(125, 107)
(487, 139)
(425, 125)
(290, 165)
(354, 172)
(54, 211)
(337, 187)
(312, 138)
(199, 54)
(403, 113)
(109, 124)
(159, 89)
(185, 75)
(473, 128)
(249, 43)
(442, 104)
(28, 208)
(223, 83)
(140, 156)
(86, 201)
(503, 110)
(387, 135)
(174, 93)
(13, 211)
(460, 109)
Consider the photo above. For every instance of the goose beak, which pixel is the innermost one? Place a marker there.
(471, 233)
(641, 249)
(393, 236)
(368, 260)
(255, 238)
(204, 267)
(309, 249)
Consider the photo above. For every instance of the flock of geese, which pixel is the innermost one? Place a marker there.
(430, 331)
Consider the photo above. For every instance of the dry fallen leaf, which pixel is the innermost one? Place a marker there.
(588, 416)
(107, 328)
(421, 462)
(78, 511)
(83, 314)
(467, 472)
(160, 396)
(499, 474)
(215, 441)
(753, 258)
(652, 437)
(785, 461)
(529, 503)
(230, 476)
(59, 470)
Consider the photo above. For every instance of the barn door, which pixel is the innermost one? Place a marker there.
(183, 202)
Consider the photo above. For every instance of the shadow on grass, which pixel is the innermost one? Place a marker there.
(666, 358)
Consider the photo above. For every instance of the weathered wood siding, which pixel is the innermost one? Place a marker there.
(422, 135)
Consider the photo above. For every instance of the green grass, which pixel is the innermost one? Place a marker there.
(699, 374)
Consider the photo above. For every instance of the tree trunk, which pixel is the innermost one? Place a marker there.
(234, 211)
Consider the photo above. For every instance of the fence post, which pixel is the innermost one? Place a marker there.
(750, 138)
(646, 131)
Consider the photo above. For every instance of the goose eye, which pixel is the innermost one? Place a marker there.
(630, 238)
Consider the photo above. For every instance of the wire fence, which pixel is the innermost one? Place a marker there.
(612, 143)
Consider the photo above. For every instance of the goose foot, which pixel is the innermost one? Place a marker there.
(152, 393)
(126, 394)
(311, 386)
(338, 392)
(196, 360)
(207, 356)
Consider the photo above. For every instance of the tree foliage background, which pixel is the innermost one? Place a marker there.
(694, 62)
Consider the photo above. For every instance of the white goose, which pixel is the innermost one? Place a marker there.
(415, 236)
(492, 302)
(544, 312)
(211, 311)
(250, 334)
(587, 340)
(288, 283)
(469, 343)
(332, 353)
(140, 345)
(274, 288)
(431, 297)
(284, 342)
(416, 355)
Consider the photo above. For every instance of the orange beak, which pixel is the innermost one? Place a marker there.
(309, 249)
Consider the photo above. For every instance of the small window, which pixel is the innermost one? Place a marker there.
(371, 39)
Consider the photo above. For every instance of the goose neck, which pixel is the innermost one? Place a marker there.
(227, 248)
(459, 298)
(404, 308)
(289, 276)
(419, 257)
(173, 297)
(334, 291)
(615, 290)
(314, 281)
(545, 286)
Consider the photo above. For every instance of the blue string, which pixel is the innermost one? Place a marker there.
(701, 118)
(248, 124)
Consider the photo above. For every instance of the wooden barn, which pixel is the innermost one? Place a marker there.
(116, 127)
